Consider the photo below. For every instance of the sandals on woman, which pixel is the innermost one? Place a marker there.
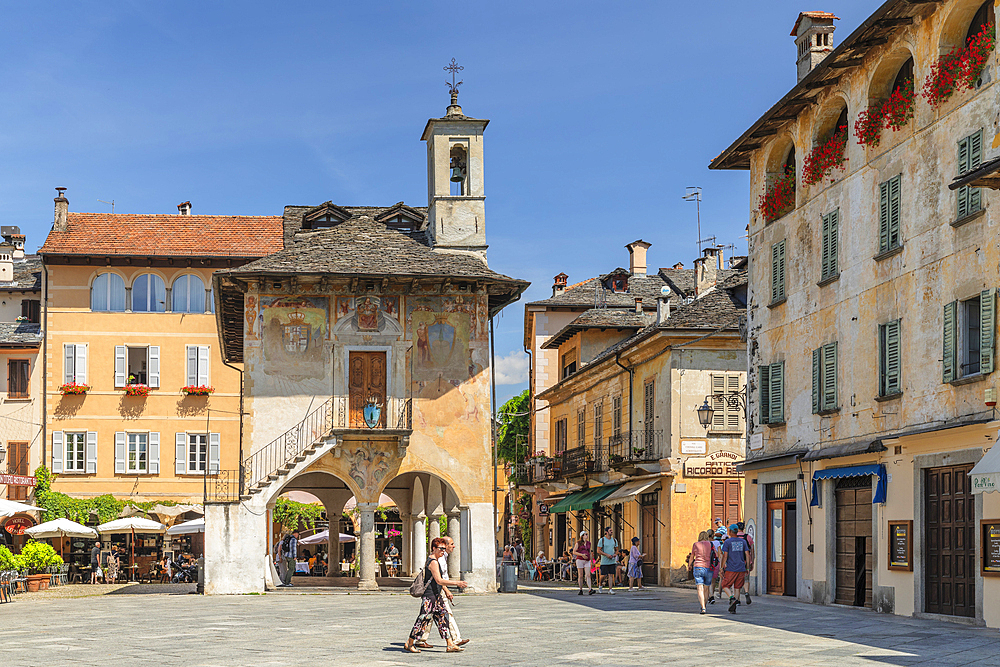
(455, 649)
(411, 649)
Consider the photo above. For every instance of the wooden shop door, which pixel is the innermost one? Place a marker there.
(854, 541)
(366, 379)
(17, 464)
(949, 518)
(776, 547)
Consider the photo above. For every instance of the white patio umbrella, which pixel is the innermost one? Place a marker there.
(61, 527)
(322, 537)
(188, 527)
(12, 507)
(131, 525)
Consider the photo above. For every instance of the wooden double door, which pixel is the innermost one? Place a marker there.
(950, 542)
(726, 500)
(366, 384)
(854, 541)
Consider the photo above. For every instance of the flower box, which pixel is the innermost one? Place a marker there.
(961, 68)
(778, 199)
(21, 318)
(136, 390)
(71, 388)
(198, 390)
(894, 112)
(825, 157)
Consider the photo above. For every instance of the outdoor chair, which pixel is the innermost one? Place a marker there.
(64, 574)
(6, 587)
(20, 582)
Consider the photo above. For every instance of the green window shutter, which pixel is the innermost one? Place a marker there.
(777, 398)
(834, 230)
(825, 244)
(817, 378)
(774, 273)
(948, 338)
(781, 269)
(963, 166)
(883, 216)
(891, 382)
(830, 376)
(975, 159)
(895, 185)
(765, 393)
(987, 325)
(777, 271)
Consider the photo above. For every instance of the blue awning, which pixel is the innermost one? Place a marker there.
(877, 469)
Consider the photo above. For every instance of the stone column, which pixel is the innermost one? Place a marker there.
(465, 545)
(455, 557)
(405, 567)
(434, 527)
(366, 547)
(419, 555)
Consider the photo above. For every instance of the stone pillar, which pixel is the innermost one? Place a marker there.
(455, 557)
(419, 555)
(465, 545)
(405, 567)
(434, 527)
(235, 547)
(482, 577)
(366, 547)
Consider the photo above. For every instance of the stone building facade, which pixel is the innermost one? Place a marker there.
(872, 318)
(364, 346)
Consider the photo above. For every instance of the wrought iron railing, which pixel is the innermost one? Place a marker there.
(397, 414)
(223, 487)
(634, 447)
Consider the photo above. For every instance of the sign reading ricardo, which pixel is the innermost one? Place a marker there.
(719, 464)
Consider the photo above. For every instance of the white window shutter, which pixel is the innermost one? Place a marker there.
(91, 452)
(213, 453)
(81, 363)
(180, 453)
(154, 365)
(154, 453)
(58, 451)
(120, 366)
(203, 351)
(69, 363)
(120, 453)
(192, 365)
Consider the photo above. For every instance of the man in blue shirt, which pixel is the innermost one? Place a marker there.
(737, 558)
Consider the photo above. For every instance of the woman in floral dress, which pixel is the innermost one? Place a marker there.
(432, 608)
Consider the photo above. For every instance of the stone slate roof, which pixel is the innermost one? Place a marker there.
(163, 235)
(20, 334)
(294, 215)
(600, 318)
(646, 287)
(735, 279)
(27, 275)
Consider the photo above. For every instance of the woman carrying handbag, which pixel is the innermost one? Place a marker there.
(581, 552)
(431, 603)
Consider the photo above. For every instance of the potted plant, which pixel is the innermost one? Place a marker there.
(961, 68)
(35, 558)
(73, 388)
(616, 459)
(7, 560)
(198, 390)
(639, 451)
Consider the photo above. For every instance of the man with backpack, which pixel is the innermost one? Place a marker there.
(290, 549)
(736, 560)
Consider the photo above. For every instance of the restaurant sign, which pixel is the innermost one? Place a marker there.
(717, 464)
(16, 525)
(17, 480)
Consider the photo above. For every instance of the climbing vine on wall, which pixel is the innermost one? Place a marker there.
(106, 507)
(295, 515)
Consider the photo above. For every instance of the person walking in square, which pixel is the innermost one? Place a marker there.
(741, 532)
(432, 607)
(701, 558)
(581, 552)
(607, 549)
(290, 545)
(456, 635)
(736, 560)
(635, 557)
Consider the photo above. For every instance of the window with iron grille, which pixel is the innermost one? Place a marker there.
(581, 427)
(17, 378)
(780, 491)
(727, 415)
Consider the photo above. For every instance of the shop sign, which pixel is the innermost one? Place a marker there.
(984, 483)
(990, 544)
(901, 545)
(16, 525)
(756, 441)
(719, 464)
(543, 509)
(17, 480)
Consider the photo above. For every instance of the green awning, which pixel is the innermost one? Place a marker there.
(586, 499)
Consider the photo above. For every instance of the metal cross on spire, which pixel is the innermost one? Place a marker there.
(454, 68)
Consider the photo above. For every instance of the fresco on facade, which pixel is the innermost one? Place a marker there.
(442, 329)
(293, 329)
(369, 314)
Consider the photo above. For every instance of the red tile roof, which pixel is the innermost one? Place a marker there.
(811, 15)
(156, 235)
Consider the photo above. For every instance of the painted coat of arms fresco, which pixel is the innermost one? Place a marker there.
(440, 341)
(293, 331)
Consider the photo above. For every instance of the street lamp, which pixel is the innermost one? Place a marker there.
(734, 399)
(705, 413)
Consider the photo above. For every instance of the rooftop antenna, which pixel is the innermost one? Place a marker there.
(112, 202)
(693, 193)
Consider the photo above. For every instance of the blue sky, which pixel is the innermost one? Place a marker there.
(601, 114)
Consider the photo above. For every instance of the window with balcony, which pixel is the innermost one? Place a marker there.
(581, 427)
(560, 435)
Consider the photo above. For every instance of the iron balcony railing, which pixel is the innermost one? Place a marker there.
(634, 447)
(277, 454)
(395, 414)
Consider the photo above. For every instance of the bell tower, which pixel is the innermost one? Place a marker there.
(456, 195)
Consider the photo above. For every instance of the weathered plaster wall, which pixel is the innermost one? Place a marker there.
(543, 324)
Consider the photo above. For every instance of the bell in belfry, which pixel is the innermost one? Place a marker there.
(457, 170)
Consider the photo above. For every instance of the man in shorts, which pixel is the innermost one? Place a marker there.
(741, 532)
(607, 549)
(736, 560)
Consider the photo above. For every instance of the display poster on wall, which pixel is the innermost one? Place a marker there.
(990, 544)
(901, 545)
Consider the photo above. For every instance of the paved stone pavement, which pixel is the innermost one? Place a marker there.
(537, 626)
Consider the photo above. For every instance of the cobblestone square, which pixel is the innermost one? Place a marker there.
(537, 626)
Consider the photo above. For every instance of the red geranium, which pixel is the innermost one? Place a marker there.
(825, 157)
(779, 198)
(895, 112)
(960, 68)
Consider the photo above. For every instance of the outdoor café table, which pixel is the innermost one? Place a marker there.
(301, 567)
(345, 566)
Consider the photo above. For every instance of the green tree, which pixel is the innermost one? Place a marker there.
(513, 443)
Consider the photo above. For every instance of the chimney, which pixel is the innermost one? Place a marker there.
(714, 254)
(663, 305)
(559, 284)
(61, 222)
(705, 271)
(638, 305)
(637, 257)
(678, 265)
(813, 33)
(184, 208)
